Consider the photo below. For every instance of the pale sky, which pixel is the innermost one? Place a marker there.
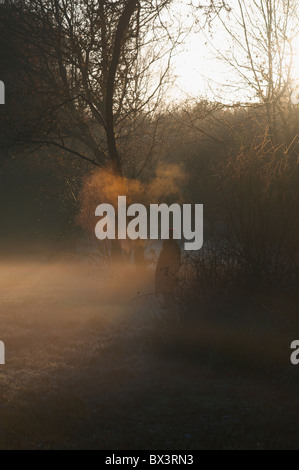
(198, 71)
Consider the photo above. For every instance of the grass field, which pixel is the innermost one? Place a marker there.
(89, 365)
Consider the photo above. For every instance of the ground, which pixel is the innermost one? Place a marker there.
(90, 365)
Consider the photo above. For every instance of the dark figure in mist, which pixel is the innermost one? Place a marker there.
(168, 267)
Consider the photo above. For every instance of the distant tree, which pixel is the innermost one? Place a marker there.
(261, 34)
(24, 101)
(101, 67)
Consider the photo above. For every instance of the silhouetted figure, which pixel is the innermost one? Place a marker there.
(167, 270)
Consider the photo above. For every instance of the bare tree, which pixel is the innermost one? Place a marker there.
(95, 61)
(261, 34)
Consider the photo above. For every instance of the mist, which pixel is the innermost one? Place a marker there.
(144, 344)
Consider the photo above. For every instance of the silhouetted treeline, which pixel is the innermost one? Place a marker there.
(246, 177)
